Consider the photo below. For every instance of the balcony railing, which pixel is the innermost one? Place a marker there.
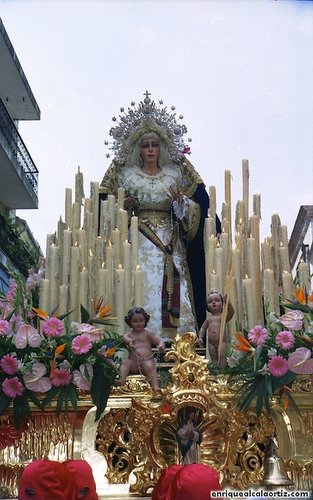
(18, 148)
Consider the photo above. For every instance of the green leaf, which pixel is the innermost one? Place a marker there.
(100, 390)
(63, 316)
(252, 389)
(32, 396)
(60, 400)
(51, 394)
(85, 316)
(73, 396)
(4, 403)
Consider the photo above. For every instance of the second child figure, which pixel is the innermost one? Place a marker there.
(212, 326)
(140, 342)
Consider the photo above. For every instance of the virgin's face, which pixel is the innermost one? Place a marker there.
(150, 149)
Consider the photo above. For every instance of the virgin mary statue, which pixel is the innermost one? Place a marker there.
(164, 190)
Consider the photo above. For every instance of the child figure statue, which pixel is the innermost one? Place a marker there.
(212, 326)
(140, 341)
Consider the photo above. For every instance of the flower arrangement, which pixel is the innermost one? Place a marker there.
(269, 358)
(45, 356)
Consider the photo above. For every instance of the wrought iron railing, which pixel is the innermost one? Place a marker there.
(18, 148)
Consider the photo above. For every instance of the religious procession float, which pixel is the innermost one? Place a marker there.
(136, 241)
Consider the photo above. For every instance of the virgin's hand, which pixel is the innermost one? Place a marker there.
(176, 193)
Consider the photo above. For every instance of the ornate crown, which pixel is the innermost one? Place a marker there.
(147, 117)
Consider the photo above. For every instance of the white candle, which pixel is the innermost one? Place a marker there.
(82, 243)
(127, 268)
(95, 199)
(68, 207)
(103, 229)
(249, 302)
(83, 289)
(79, 187)
(76, 216)
(238, 276)
(284, 258)
(102, 276)
(245, 186)
(209, 227)
(63, 299)
(284, 235)
(120, 302)
(120, 198)
(124, 224)
(54, 277)
(74, 283)
(270, 291)
(288, 286)
(66, 255)
(134, 236)
(210, 246)
(214, 282)
(219, 267)
(266, 253)
(44, 296)
(212, 196)
(117, 247)
(111, 211)
(257, 205)
(303, 275)
(138, 285)
(109, 266)
(228, 187)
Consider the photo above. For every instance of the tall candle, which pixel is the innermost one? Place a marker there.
(219, 267)
(257, 205)
(83, 288)
(44, 296)
(212, 196)
(66, 255)
(63, 299)
(103, 229)
(227, 187)
(95, 199)
(117, 247)
(249, 302)
(238, 277)
(82, 243)
(111, 211)
(68, 207)
(134, 236)
(120, 296)
(303, 275)
(54, 277)
(138, 285)
(284, 258)
(210, 246)
(245, 186)
(120, 198)
(74, 283)
(102, 276)
(124, 224)
(209, 227)
(127, 268)
(288, 286)
(109, 266)
(270, 291)
(76, 216)
(79, 187)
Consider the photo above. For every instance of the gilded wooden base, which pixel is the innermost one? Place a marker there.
(136, 437)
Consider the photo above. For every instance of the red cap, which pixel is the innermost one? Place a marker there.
(85, 483)
(46, 480)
